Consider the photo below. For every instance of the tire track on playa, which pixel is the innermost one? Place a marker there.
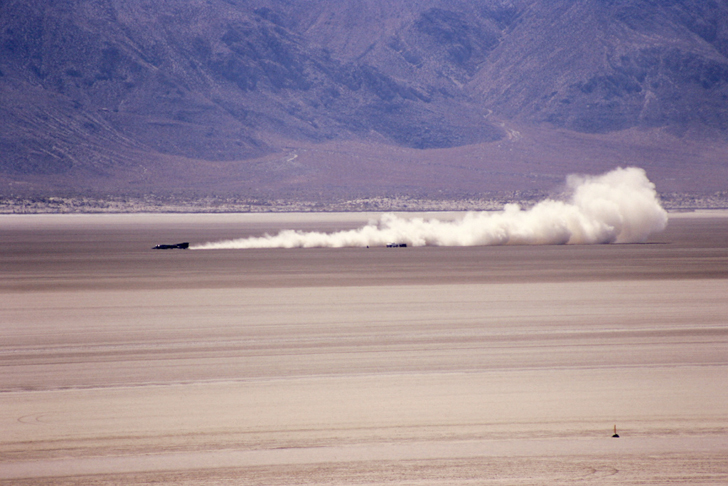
(336, 374)
(599, 472)
(383, 452)
(35, 419)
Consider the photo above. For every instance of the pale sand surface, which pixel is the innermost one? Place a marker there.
(500, 365)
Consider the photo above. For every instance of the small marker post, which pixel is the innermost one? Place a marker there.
(615, 431)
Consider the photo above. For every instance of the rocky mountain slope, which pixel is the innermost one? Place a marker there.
(319, 98)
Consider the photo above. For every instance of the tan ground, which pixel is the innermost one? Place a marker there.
(501, 365)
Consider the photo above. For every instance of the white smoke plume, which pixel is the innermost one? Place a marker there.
(620, 206)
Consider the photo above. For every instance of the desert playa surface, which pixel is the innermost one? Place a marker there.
(376, 366)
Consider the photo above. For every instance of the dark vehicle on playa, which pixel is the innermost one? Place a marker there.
(178, 246)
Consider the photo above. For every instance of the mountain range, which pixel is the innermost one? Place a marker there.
(319, 100)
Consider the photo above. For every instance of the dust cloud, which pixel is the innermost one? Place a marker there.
(620, 206)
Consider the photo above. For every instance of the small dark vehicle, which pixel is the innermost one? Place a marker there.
(178, 246)
(397, 245)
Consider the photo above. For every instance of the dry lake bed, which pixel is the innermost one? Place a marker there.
(370, 366)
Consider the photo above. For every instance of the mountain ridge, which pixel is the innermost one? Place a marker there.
(193, 97)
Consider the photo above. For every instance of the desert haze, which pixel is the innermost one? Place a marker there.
(417, 365)
(297, 348)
